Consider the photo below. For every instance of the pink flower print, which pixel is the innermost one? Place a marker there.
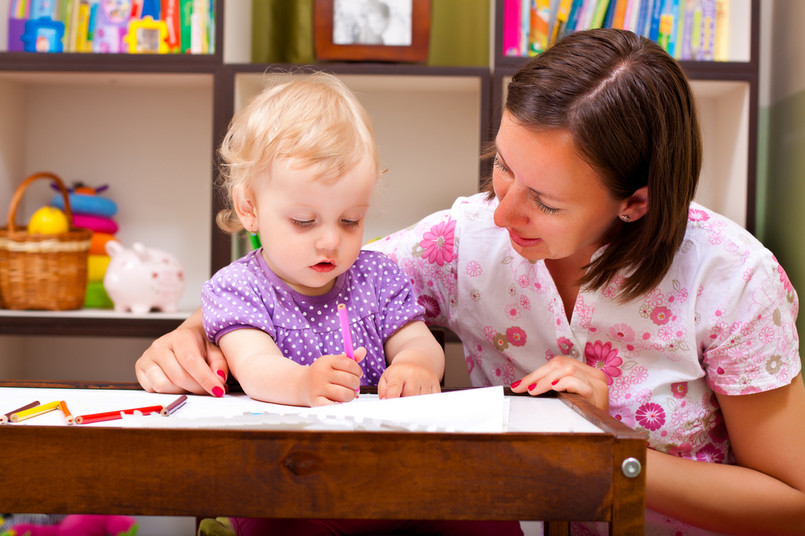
(512, 311)
(524, 281)
(698, 215)
(622, 332)
(602, 356)
(679, 389)
(438, 243)
(565, 345)
(516, 336)
(525, 303)
(709, 453)
(475, 294)
(650, 416)
(660, 315)
(430, 304)
(784, 278)
(500, 341)
(474, 269)
(502, 373)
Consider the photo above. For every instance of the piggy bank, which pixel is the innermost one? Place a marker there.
(139, 279)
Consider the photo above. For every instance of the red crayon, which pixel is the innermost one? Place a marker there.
(113, 415)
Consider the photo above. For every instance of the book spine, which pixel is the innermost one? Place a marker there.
(511, 28)
(721, 50)
(654, 24)
(538, 33)
(707, 50)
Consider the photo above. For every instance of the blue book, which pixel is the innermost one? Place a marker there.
(654, 26)
(641, 27)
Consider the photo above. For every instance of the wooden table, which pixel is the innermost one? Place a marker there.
(555, 477)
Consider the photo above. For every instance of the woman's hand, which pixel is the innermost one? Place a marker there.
(183, 361)
(563, 373)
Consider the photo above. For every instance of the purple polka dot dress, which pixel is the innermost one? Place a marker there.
(378, 296)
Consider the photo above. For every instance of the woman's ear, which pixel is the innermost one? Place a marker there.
(635, 206)
(246, 209)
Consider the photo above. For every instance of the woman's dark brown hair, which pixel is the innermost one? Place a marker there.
(632, 116)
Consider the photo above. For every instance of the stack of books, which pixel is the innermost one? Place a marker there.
(696, 30)
(112, 26)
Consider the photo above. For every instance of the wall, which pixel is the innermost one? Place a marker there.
(781, 148)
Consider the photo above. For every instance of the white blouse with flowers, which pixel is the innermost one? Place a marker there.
(721, 321)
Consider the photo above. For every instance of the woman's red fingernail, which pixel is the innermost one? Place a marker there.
(554, 382)
(532, 386)
(217, 392)
(222, 374)
(515, 384)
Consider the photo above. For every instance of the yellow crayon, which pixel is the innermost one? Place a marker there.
(33, 412)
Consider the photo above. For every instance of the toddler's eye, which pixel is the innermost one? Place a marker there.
(351, 223)
(302, 223)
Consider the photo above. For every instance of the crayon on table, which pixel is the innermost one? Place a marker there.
(114, 415)
(66, 412)
(33, 412)
(5, 417)
(173, 406)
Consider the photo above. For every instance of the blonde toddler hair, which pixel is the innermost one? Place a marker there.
(311, 117)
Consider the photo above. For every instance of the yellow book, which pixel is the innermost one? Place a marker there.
(721, 50)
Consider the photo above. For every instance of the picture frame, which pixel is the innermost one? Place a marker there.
(372, 30)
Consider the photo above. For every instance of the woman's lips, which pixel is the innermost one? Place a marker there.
(522, 241)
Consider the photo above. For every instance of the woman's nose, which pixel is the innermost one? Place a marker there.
(509, 211)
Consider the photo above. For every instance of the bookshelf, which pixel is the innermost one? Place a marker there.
(80, 115)
(727, 99)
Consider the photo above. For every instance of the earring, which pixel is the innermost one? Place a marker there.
(254, 238)
(626, 218)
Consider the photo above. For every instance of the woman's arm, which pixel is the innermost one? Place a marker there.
(183, 360)
(416, 363)
(765, 492)
(265, 374)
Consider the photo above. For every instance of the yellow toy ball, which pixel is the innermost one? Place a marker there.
(48, 220)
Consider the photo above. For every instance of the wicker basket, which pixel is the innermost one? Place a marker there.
(38, 271)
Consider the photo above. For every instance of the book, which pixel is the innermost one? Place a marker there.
(539, 26)
(707, 48)
(511, 28)
(721, 49)
(600, 12)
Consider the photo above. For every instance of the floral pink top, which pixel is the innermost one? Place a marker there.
(721, 321)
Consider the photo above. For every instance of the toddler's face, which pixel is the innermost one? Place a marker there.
(312, 228)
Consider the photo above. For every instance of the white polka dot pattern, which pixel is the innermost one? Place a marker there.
(379, 299)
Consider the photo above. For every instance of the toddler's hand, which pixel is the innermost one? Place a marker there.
(407, 379)
(333, 378)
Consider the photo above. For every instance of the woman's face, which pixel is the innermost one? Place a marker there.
(553, 204)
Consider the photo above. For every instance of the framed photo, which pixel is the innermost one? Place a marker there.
(372, 30)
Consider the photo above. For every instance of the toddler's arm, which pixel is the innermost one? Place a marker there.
(265, 374)
(416, 363)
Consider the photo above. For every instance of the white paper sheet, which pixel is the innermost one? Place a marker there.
(482, 410)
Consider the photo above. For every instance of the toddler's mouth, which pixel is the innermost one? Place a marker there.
(324, 266)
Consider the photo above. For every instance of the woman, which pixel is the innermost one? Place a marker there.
(587, 268)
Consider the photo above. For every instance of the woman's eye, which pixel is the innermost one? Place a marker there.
(498, 164)
(545, 208)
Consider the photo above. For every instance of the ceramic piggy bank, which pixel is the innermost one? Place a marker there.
(140, 279)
